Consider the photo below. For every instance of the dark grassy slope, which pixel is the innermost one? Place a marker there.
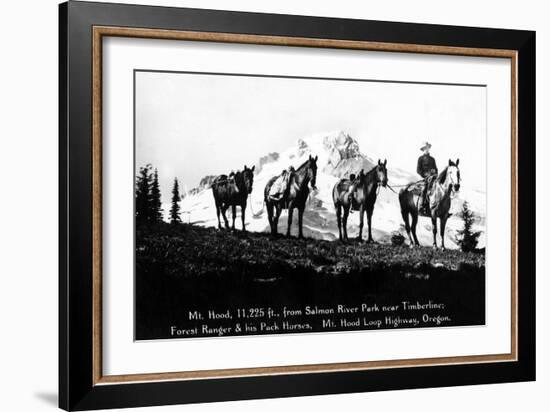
(184, 268)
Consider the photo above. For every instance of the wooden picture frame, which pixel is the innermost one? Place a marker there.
(82, 384)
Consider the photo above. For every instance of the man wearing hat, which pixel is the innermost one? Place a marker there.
(426, 168)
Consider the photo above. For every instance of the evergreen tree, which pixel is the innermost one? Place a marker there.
(143, 194)
(175, 209)
(467, 238)
(156, 203)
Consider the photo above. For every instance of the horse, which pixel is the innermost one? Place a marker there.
(446, 183)
(232, 190)
(295, 197)
(362, 199)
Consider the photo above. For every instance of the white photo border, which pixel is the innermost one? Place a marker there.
(123, 356)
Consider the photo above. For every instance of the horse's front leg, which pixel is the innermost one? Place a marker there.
(361, 222)
(300, 222)
(434, 231)
(243, 208)
(234, 215)
(290, 210)
(443, 222)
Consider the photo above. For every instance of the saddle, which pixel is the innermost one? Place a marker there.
(419, 189)
(280, 187)
(224, 180)
(347, 188)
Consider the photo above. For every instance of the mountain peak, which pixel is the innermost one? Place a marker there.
(339, 153)
(342, 144)
(303, 147)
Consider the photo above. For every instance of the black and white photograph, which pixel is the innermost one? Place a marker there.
(274, 204)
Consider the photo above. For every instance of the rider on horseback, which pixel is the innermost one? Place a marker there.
(426, 168)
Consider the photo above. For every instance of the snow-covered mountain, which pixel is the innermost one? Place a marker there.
(339, 155)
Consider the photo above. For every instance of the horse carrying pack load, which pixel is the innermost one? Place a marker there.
(358, 194)
(295, 195)
(232, 190)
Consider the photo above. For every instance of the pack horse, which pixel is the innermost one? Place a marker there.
(358, 193)
(232, 190)
(294, 196)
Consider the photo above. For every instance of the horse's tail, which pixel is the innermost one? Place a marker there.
(336, 194)
(405, 200)
(214, 187)
(401, 194)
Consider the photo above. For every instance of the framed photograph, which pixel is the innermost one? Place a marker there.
(257, 205)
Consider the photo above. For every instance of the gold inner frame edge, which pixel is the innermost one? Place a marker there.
(98, 32)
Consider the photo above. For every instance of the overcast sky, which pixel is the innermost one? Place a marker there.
(192, 125)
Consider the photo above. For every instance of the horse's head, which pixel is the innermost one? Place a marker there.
(312, 171)
(248, 178)
(453, 175)
(382, 173)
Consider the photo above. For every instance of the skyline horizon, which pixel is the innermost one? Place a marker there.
(194, 125)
